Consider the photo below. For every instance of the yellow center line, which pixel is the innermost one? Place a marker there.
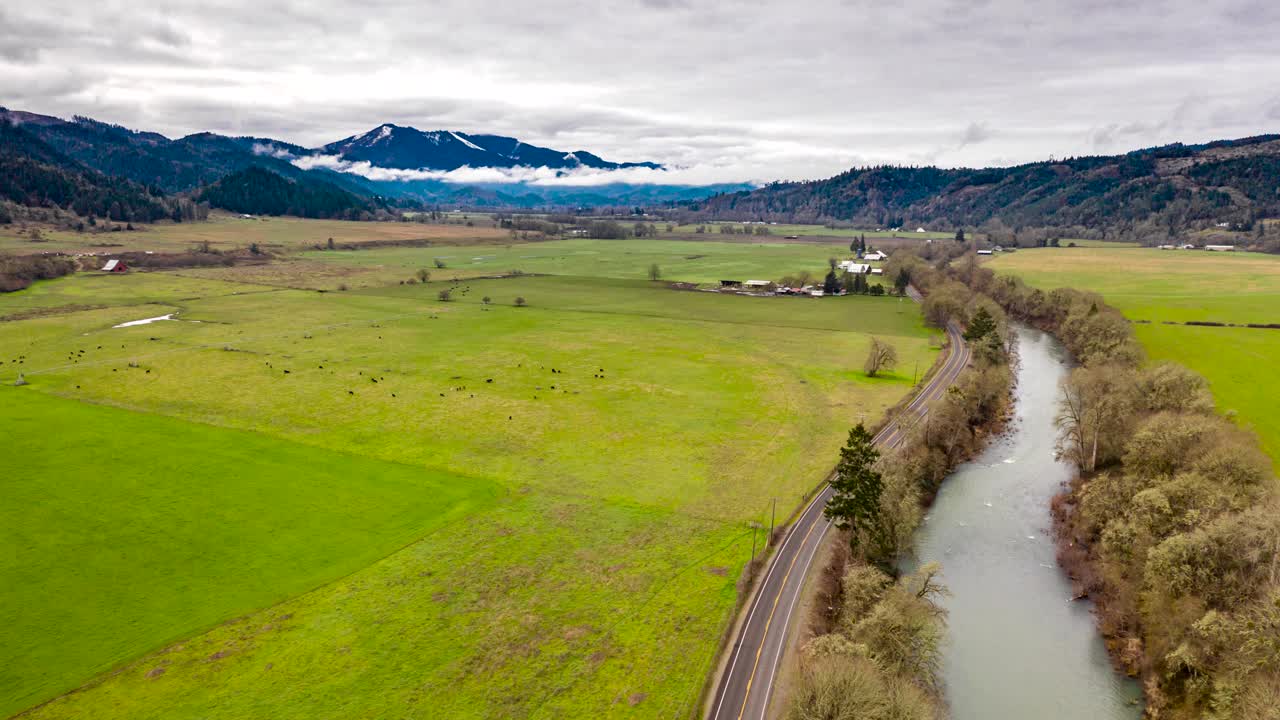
(765, 636)
(955, 359)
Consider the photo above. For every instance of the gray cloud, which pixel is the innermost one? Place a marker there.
(760, 90)
(975, 133)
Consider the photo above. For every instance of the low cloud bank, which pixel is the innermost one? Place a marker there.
(523, 174)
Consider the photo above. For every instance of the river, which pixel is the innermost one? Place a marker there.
(1018, 646)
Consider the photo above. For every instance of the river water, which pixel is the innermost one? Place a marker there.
(1018, 646)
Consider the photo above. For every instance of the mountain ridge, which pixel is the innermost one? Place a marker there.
(408, 148)
(197, 160)
(1142, 193)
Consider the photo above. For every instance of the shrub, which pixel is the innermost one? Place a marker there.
(520, 302)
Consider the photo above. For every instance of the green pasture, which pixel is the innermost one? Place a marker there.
(1158, 285)
(1239, 363)
(781, 230)
(126, 530)
(1176, 286)
(225, 231)
(679, 260)
(571, 540)
(94, 289)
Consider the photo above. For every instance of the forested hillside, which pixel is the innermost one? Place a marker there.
(261, 192)
(1167, 189)
(34, 174)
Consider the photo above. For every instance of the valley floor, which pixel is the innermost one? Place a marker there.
(289, 503)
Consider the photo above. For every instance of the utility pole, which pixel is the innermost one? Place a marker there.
(772, 519)
(914, 373)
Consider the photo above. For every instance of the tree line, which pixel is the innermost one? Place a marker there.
(879, 648)
(1173, 524)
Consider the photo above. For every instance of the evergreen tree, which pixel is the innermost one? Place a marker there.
(831, 284)
(901, 282)
(960, 235)
(856, 503)
(980, 325)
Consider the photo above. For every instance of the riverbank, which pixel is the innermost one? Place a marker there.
(880, 632)
(1172, 523)
(1010, 613)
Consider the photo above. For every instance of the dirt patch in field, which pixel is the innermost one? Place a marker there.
(718, 570)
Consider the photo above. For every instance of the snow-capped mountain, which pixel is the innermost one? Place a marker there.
(406, 148)
(390, 161)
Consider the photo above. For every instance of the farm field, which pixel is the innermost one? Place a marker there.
(816, 231)
(293, 517)
(681, 260)
(466, 532)
(224, 231)
(1160, 286)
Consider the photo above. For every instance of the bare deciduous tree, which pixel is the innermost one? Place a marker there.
(881, 356)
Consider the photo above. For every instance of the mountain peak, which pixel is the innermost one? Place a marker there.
(408, 148)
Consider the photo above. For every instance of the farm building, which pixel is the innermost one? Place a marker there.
(875, 255)
(984, 252)
(115, 266)
(877, 271)
(920, 229)
(1220, 248)
(730, 283)
(757, 283)
(854, 267)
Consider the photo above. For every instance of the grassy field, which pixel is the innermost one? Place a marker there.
(103, 513)
(1162, 286)
(1158, 285)
(525, 542)
(781, 230)
(681, 260)
(1097, 244)
(224, 231)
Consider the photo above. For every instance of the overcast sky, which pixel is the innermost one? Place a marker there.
(736, 90)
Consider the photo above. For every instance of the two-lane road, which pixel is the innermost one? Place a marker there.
(747, 683)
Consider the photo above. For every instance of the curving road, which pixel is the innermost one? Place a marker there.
(747, 683)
